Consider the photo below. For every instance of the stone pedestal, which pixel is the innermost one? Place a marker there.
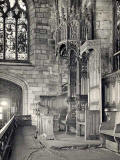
(47, 127)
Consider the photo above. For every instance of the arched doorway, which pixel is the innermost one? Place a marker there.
(10, 100)
(21, 83)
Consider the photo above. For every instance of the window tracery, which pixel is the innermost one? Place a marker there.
(13, 31)
(117, 25)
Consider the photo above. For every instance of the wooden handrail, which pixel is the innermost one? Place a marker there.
(7, 134)
(3, 130)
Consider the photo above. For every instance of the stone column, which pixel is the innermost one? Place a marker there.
(104, 31)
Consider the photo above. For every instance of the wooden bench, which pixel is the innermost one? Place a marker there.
(110, 136)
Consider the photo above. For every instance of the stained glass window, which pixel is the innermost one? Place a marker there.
(1, 38)
(117, 27)
(13, 31)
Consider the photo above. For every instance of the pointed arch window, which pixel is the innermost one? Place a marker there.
(13, 31)
(117, 25)
(116, 57)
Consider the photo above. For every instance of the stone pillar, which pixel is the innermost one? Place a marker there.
(104, 31)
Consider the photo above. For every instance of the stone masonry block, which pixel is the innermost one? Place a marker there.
(46, 15)
(104, 5)
(41, 41)
(40, 14)
(28, 76)
(106, 25)
(102, 33)
(104, 15)
(45, 36)
(43, 31)
(30, 80)
(33, 84)
(43, 9)
(39, 62)
(42, 57)
(36, 88)
(106, 42)
(46, 27)
(36, 92)
(97, 24)
(44, 51)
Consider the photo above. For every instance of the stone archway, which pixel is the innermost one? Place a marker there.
(20, 82)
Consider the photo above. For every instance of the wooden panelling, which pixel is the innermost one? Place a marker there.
(92, 124)
(112, 145)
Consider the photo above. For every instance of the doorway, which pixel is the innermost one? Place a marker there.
(10, 100)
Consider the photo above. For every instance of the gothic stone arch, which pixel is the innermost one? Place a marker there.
(20, 82)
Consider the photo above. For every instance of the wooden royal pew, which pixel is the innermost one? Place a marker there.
(110, 135)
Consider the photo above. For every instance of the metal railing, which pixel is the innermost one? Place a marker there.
(6, 139)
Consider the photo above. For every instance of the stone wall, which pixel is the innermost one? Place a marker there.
(40, 75)
(104, 31)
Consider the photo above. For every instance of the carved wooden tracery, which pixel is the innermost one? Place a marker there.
(73, 30)
(84, 68)
(74, 22)
(73, 65)
(74, 27)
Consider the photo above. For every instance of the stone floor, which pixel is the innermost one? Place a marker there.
(27, 148)
(24, 143)
(63, 140)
